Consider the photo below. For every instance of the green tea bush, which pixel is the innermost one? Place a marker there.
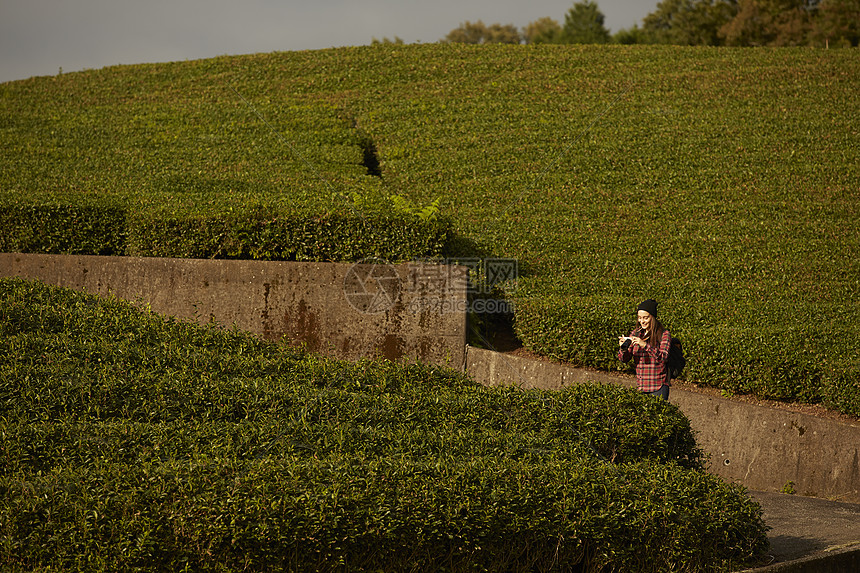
(842, 390)
(579, 330)
(616, 428)
(71, 225)
(117, 226)
(299, 236)
(387, 514)
(130, 441)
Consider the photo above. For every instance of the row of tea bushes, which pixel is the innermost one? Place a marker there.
(480, 514)
(162, 226)
(586, 423)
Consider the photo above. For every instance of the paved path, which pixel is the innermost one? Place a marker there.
(806, 529)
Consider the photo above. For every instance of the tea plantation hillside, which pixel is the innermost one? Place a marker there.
(722, 182)
(131, 442)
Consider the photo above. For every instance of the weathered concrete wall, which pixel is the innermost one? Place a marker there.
(762, 448)
(345, 310)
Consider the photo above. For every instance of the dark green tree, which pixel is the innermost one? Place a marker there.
(837, 24)
(480, 33)
(397, 40)
(542, 31)
(771, 23)
(467, 33)
(503, 34)
(634, 35)
(688, 22)
(583, 24)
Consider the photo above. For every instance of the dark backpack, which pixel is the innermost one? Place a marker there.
(676, 357)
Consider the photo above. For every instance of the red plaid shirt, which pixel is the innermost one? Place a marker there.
(652, 364)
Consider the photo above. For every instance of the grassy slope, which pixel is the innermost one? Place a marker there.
(722, 182)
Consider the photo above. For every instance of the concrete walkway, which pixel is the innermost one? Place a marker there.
(809, 534)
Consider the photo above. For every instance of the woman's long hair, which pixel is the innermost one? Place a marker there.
(654, 335)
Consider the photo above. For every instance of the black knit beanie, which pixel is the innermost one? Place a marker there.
(649, 306)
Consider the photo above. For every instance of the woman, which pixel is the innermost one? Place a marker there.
(648, 345)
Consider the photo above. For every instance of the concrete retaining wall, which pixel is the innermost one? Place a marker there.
(344, 310)
(759, 447)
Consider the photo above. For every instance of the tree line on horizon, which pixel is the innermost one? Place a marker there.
(823, 23)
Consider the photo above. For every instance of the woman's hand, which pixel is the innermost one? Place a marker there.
(638, 342)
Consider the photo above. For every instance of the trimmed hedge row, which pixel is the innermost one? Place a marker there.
(484, 514)
(134, 442)
(588, 424)
(73, 225)
(299, 237)
(115, 226)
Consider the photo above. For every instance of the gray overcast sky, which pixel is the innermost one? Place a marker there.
(38, 37)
